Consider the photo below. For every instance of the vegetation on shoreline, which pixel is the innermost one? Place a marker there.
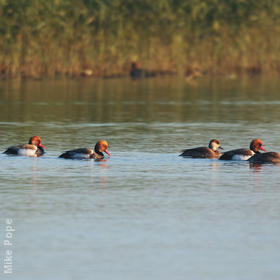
(102, 37)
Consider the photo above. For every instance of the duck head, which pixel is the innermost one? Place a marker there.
(36, 140)
(256, 145)
(214, 144)
(102, 146)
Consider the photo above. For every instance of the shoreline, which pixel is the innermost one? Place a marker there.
(190, 74)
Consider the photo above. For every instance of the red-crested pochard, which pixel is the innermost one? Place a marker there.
(244, 154)
(86, 153)
(204, 152)
(34, 148)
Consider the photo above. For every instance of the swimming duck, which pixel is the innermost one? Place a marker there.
(269, 157)
(244, 154)
(204, 152)
(86, 153)
(34, 148)
(135, 72)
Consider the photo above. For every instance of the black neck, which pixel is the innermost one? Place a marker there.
(96, 149)
(40, 151)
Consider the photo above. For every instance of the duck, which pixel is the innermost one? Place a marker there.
(34, 148)
(87, 153)
(135, 71)
(269, 157)
(244, 154)
(204, 152)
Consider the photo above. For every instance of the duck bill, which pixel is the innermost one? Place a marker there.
(221, 148)
(263, 149)
(106, 151)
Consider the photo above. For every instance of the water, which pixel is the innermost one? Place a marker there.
(145, 213)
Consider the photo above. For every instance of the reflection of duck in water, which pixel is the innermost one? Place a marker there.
(86, 153)
(244, 154)
(34, 148)
(204, 152)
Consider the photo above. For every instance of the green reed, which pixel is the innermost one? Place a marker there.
(68, 37)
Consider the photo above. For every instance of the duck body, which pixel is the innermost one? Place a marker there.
(244, 154)
(204, 152)
(86, 153)
(201, 152)
(33, 149)
(237, 154)
(81, 153)
(269, 157)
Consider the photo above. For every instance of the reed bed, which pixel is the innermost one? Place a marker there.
(101, 38)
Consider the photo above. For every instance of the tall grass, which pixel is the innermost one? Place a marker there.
(67, 37)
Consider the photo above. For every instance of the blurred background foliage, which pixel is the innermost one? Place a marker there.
(68, 37)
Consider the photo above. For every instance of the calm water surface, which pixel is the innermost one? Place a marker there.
(145, 213)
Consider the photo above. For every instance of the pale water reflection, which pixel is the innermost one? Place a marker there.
(145, 213)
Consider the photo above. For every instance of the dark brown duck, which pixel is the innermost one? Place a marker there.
(269, 157)
(204, 152)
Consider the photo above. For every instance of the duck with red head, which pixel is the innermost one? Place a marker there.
(204, 152)
(244, 154)
(34, 148)
(86, 153)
